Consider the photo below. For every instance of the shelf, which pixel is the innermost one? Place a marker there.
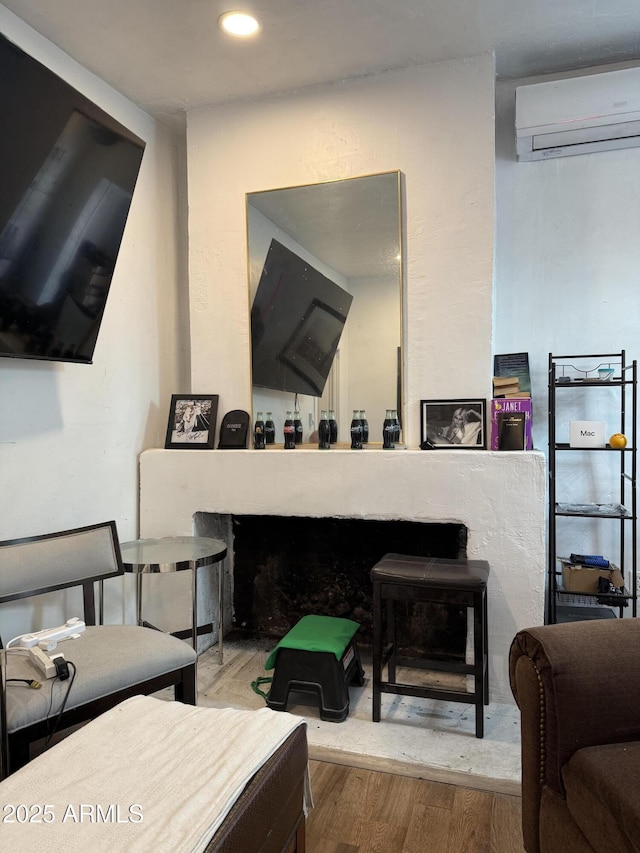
(568, 613)
(567, 446)
(623, 516)
(593, 511)
(565, 596)
(621, 411)
(593, 383)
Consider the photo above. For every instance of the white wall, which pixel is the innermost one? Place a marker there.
(435, 124)
(567, 253)
(70, 435)
(567, 269)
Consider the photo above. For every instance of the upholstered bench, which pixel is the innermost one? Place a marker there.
(318, 655)
(157, 775)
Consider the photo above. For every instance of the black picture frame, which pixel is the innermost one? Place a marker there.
(459, 424)
(192, 422)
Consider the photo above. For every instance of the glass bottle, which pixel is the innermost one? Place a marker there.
(258, 433)
(356, 430)
(365, 426)
(388, 431)
(269, 430)
(396, 426)
(333, 427)
(289, 434)
(324, 432)
(297, 427)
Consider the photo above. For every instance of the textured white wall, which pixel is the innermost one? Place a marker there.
(70, 434)
(567, 272)
(435, 124)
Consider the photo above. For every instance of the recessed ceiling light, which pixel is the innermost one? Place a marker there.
(239, 24)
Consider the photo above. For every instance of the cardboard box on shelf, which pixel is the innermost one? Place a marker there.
(578, 578)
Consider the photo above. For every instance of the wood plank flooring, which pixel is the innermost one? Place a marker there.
(363, 811)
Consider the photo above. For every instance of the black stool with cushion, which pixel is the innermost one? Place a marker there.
(459, 583)
(319, 655)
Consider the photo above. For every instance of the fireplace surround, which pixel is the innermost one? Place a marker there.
(499, 498)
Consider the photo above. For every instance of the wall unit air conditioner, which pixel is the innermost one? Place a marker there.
(578, 115)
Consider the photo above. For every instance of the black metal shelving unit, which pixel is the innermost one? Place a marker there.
(564, 378)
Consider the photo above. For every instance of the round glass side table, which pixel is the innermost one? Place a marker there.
(177, 554)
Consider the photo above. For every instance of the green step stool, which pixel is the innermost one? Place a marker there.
(319, 655)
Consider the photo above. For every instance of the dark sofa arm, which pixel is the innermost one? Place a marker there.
(576, 685)
(586, 678)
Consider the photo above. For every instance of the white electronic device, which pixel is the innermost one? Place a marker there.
(587, 434)
(48, 639)
(578, 115)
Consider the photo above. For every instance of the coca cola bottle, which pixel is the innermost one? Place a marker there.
(333, 427)
(324, 432)
(258, 433)
(396, 426)
(365, 426)
(356, 430)
(388, 431)
(269, 430)
(289, 434)
(297, 427)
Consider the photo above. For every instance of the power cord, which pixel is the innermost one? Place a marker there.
(30, 682)
(62, 674)
(62, 669)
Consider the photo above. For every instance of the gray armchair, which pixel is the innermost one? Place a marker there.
(110, 662)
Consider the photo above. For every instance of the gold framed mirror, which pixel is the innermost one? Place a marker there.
(325, 291)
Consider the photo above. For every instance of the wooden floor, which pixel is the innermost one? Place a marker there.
(357, 811)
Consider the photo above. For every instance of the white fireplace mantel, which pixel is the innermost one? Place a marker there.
(499, 497)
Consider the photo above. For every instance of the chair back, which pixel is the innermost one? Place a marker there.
(39, 564)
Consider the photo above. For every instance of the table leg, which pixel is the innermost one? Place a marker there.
(4, 735)
(194, 606)
(139, 598)
(220, 607)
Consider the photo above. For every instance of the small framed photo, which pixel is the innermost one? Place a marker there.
(453, 424)
(192, 422)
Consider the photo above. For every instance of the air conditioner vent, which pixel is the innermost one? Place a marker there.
(578, 115)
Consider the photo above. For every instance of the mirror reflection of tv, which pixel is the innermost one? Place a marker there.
(67, 176)
(297, 319)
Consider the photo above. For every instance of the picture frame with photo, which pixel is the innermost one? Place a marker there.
(192, 422)
(459, 424)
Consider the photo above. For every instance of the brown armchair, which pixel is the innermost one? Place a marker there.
(577, 686)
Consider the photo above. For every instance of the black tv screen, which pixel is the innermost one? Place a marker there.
(67, 175)
(297, 318)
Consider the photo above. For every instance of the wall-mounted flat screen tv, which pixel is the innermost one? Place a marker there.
(67, 175)
(297, 318)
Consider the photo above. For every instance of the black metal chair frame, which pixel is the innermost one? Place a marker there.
(15, 747)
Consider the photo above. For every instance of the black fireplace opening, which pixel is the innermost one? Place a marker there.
(287, 567)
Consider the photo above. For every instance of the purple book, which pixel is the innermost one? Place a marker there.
(509, 405)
